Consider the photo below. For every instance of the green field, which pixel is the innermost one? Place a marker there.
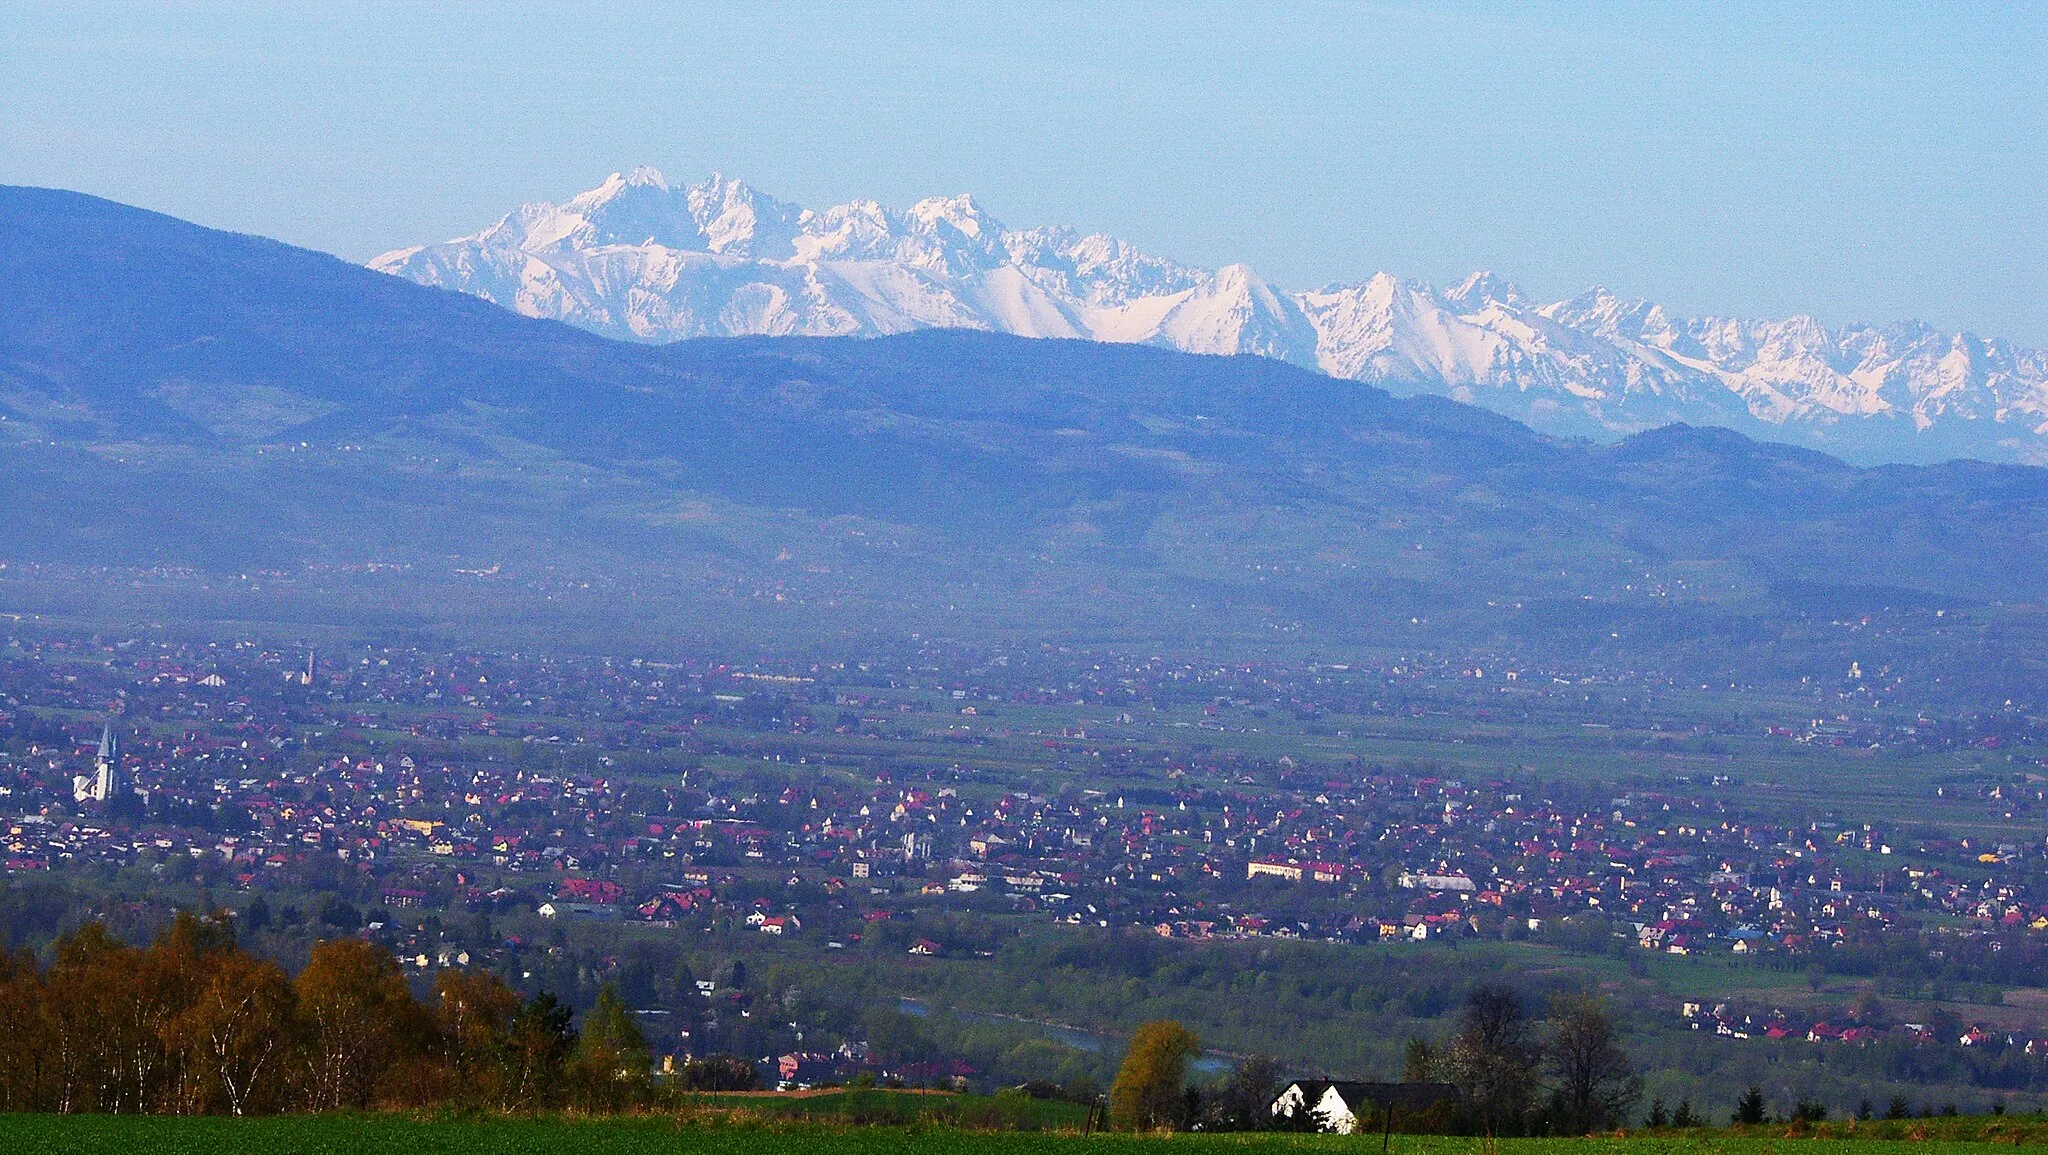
(1003, 1111)
(397, 1135)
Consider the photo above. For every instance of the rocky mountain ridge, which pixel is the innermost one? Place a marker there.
(640, 259)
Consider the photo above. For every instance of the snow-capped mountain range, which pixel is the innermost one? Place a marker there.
(640, 259)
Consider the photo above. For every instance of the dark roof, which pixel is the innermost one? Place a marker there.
(1403, 1096)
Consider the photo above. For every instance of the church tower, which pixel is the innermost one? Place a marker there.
(106, 782)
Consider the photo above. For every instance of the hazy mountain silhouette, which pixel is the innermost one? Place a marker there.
(176, 396)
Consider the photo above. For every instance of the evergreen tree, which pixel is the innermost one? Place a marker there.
(1419, 1061)
(610, 1060)
(537, 1043)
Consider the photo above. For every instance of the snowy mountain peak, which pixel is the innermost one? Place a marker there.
(627, 209)
(1595, 305)
(646, 174)
(733, 218)
(1482, 289)
(960, 212)
(641, 259)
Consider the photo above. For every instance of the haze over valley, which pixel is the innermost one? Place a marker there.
(685, 669)
(188, 398)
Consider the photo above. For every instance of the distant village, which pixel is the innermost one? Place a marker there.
(627, 802)
(822, 805)
(1775, 1025)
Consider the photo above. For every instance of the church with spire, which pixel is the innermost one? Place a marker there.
(107, 780)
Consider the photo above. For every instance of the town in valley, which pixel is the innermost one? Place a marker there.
(1797, 866)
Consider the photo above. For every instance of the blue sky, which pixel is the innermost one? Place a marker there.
(1856, 162)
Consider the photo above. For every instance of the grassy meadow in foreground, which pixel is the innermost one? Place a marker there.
(762, 1134)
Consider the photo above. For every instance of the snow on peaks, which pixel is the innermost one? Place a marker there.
(645, 174)
(635, 209)
(640, 259)
(1099, 270)
(1231, 312)
(733, 218)
(1481, 289)
(958, 212)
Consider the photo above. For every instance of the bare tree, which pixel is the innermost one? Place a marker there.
(1596, 1085)
(1245, 1101)
(1494, 1057)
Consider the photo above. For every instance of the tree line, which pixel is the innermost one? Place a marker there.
(1565, 1074)
(194, 1024)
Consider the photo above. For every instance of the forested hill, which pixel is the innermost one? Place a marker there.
(176, 396)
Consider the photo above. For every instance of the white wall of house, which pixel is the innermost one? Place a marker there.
(1334, 1114)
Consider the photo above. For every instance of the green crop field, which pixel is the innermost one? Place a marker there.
(397, 1135)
